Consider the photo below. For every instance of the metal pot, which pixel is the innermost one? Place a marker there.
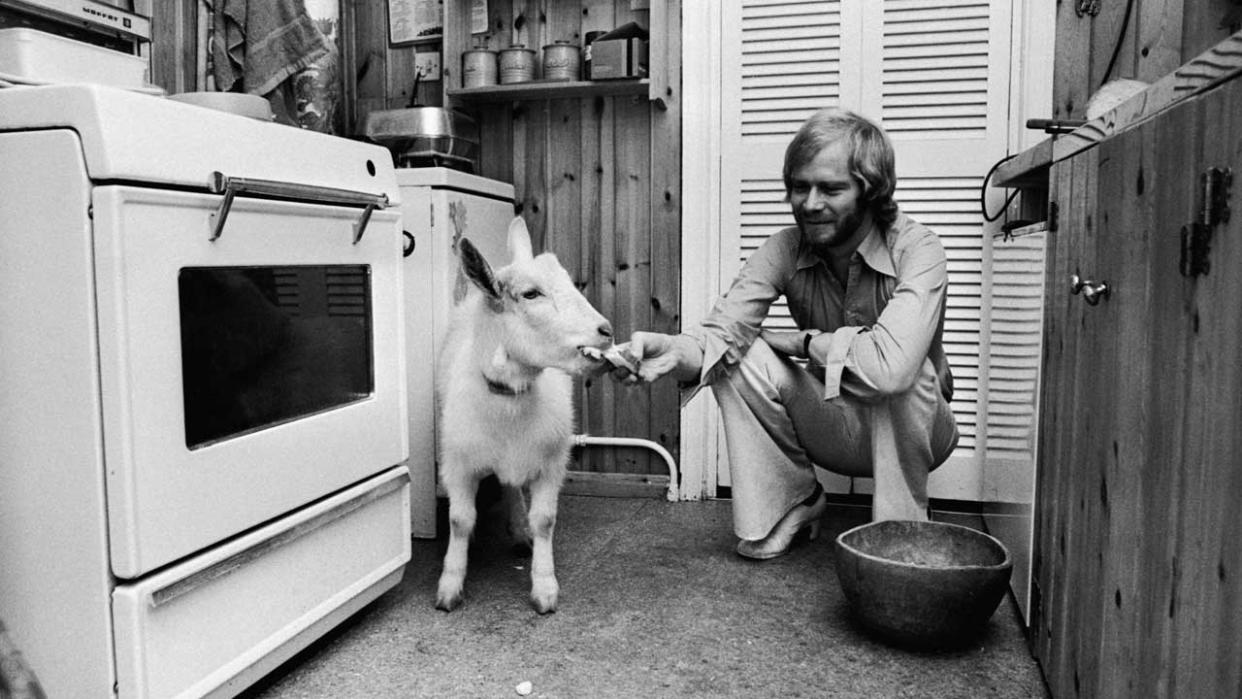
(423, 130)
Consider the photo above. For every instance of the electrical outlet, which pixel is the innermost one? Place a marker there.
(428, 65)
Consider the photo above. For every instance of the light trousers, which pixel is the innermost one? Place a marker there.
(777, 424)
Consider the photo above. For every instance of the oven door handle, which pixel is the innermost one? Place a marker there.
(230, 187)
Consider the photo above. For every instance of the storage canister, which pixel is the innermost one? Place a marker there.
(561, 61)
(478, 68)
(517, 64)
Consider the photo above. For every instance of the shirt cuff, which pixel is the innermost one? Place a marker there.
(838, 345)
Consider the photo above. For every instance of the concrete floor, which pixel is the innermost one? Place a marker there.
(654, 603)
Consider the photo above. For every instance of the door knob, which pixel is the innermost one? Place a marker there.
(1091, 291)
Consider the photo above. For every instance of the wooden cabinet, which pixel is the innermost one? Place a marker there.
(1138, 568)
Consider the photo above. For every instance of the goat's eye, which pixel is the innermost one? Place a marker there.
(532, 294)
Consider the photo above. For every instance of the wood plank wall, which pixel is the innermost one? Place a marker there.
(1140, 39)
(597, 179)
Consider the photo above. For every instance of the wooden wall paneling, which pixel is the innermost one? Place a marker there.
(563, 165)
(1123, 264)
(370, 58)
(456, 40)
(1061, 503)
(1048, 554)
(600, 15)
(1179, 134)
(600, 394)
(400, 78)
(611, 394)
(1160, 474)
(1128, 201)
(632, 245)
(1072, 228)
(1200, 612)
(1083, 458)
(1093, 457)
(1205, 23)
(496, 121)
(665, 297)
(1159, 31)
(523, 27)
(1216, 345)
(1071, 76)
(174, 45)
(1113, 33)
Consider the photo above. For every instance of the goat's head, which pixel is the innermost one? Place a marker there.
(545, 321)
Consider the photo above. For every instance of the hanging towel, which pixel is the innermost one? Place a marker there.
(257, 44)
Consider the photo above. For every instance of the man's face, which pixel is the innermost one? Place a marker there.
(825, 198)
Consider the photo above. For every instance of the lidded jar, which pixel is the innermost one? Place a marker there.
(517, 64)
(561, 61)
(478, 68)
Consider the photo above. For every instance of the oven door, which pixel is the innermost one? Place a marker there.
(245, 376)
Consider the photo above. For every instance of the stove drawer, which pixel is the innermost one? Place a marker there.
(221, 620)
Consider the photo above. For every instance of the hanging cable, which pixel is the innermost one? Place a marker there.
(1121, 39)
(983, 206)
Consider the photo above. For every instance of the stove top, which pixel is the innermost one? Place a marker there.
(133, 137)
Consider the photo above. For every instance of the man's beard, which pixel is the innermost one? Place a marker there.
(843, 229)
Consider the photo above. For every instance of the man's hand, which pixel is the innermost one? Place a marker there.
(788, 343)
(657, 355)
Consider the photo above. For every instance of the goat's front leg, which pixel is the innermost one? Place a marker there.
(543, 586)
(461, 489)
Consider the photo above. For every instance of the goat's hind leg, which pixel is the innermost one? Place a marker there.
(544, 589)
(517, 513)
(461, 489)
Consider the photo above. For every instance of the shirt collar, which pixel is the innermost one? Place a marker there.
(873, 250)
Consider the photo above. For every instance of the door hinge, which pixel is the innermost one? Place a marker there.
(1053, 211)
(1213, 206)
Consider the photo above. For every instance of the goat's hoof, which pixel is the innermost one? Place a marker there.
(543, 597)
(449, 596)
(544, 606)
(448, 604)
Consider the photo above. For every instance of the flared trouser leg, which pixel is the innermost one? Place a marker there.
(777, 424)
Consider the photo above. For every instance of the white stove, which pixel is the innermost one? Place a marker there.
(203, 414)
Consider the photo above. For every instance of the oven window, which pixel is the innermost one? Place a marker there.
(265, 345)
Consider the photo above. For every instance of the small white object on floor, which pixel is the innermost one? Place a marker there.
(525, 688)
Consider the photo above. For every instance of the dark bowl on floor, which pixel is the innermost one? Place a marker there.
(925, 584)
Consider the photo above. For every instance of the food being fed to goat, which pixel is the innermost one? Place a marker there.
(615, 355)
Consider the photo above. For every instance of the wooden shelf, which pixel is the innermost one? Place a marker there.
(549, 89)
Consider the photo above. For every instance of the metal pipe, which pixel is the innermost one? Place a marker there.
(584, 440)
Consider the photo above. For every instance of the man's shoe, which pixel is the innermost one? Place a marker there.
(804, 516)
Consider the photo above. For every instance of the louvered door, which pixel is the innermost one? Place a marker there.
(935, 75)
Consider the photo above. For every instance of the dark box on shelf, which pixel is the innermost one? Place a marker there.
(613, 59)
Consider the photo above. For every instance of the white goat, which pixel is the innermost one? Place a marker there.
(506, 402)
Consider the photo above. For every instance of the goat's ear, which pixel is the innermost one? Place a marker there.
(477, 270)
(519, 240)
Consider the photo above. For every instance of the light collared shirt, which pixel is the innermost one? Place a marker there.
(877, 330)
